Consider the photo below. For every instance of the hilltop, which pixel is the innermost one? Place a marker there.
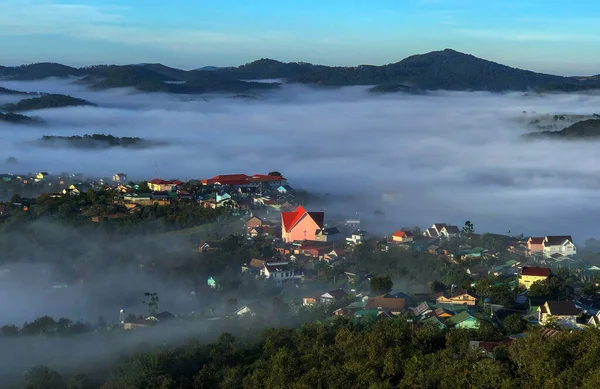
(6, 91)
(446, 69)
(45, 101)
(581, 130)
(16, 118)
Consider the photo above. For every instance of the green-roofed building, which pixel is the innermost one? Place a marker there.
(435, 321)
(464, 320)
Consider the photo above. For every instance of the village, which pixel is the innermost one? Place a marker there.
(318, 260)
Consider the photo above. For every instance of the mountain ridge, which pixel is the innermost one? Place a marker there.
(444, 69)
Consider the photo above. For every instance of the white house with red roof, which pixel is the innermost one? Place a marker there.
(301, 225)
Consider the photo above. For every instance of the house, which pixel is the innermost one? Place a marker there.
(433, 320)
(477, 272)
(535, 245)
(254, 266)
(158, 185)
(463, 320)
(529, 275)
(386, 302)
(430, 233)
(402, 237)
(333, 296)
(438, 227)
(252, 309)
(280, 272)
(461, 298)
(211, 283)
(358, 237)
(564, 312)
(260, 231)
(334, 255)
(328, 235)
(449, 232)
(558, 244)
(476, 252)
(40, 176)
(301, 225)
(309, 301)
(253, 222)
(594, 320)
(203, 247)
(284, 189)
(119, 177)
(161, 317)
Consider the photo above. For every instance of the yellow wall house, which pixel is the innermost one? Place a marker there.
(564, 312)
(529, 275)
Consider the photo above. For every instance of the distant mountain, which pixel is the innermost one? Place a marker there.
(394, 88)
(446, 69)
(209, 68)
(157, 78)
(581, 130)
(16, 118)
(96, 141)
(38, 71)
(45, 101)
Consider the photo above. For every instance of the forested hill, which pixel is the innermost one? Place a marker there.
(446, 69)
(581, 130)
(45, 101)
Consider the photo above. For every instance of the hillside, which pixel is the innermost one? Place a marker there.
(45, 101)
(581, 130)
(15, 118)
(159, 78)
(445, 69)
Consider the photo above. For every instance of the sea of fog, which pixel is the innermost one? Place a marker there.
(446, 156)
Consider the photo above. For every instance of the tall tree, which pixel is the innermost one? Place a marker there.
(152, 303)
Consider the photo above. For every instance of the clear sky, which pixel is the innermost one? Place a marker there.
(556, 36)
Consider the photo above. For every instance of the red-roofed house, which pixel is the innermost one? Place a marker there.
(241, 180)
(529, 275)
(402, 236)
(301, 225)
(158, 185)
(272, 181)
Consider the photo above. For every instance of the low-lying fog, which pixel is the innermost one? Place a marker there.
(449, 157)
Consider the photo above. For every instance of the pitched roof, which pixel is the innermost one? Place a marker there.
(535, 271)
(399, 234)
(557, 240)
(158, 181)
(386, 303)
(452, 229)
(289, 219)
(432, 232)
(265, 178)
(459, 318)
(336, 294)
(563, 308)
(256, 263)
(536, 240)
(439, 226)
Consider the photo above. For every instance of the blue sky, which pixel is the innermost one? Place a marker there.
(555, 36)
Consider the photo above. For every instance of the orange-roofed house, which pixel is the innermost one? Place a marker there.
(158, 185)
(402, 237)
(301, 225)
(535, 245)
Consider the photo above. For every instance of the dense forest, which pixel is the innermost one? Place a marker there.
(45, 101)
(16, 118)
(345, 353)
(446, 69)
(96, 141)
(584, 129)
(6, 91)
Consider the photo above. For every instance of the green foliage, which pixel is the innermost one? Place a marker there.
(381, 284)
(547, 287)
(41, 377)
(45, 101)
(514, 324)
(468, 229)
(151, 301)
